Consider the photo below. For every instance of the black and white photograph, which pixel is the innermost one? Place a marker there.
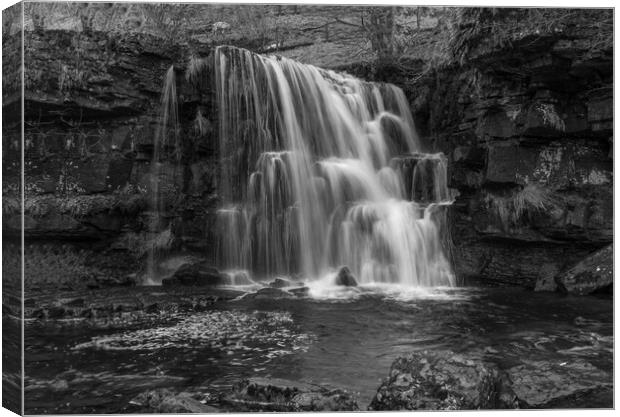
(242, 207)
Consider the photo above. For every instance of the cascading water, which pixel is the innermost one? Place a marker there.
(167, 131)
(320, 169)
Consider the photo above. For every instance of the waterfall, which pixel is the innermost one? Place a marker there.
(167, 132)
(319, 170)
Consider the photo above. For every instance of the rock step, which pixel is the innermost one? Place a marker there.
(595, 273)
(445, 380)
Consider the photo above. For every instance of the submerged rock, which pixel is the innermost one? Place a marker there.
(595, 273)
(345, 277)
(199, 274)
(442, 380)
(557, 384)
(166, 401)
(263, 394)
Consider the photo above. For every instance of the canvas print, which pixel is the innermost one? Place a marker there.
(213, 208)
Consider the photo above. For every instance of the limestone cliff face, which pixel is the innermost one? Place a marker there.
(526, 125)
(93, 80)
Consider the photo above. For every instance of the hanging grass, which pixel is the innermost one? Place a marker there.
(513, 208)
(162, 242)
(197, 72)
(550, 116)
(202, 126)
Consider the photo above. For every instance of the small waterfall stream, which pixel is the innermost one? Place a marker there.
(167, 134)
(319, 170)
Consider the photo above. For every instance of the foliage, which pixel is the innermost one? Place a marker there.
(197, 72)
(127, 200)
(170, 20)
(550, 116)
(444, 36)
(49, 265)
(162, 242)
(70, 79)
(10, 206)
(501, 28)
(256, 21)
(202, 126)
(55, 265)
(527, 201)
(11, 17)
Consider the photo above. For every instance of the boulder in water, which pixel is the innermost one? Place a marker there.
(280, 283)
(442, 380)
(265, 394)
(166, 401)
(199, 274)
(268, 294)
(345, 277)
(595, 273)
(561, 384)
(299, 291)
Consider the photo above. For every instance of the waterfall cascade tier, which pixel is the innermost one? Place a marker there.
(320, 169)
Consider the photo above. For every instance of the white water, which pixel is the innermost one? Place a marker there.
(319, 170)
(167, 134)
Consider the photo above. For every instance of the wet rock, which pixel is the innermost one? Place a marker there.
(592, 274)
(55, 312)
(263, 394)
(419, 172)
(546, 281)
(165, 401)
(599, 110)
(280, 283)
(561, 384)
(497, 124)
(240, 278)
(510, 163)
(268, 293)
(199, 274)
(95, 281)
(470, 156)
(442, 380)
(300, 291)
(75, 302)
(345, 278)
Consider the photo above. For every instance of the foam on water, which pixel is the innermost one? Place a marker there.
(325, 289)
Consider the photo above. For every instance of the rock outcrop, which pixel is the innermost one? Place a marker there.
(527, 127)
(165, 401)
(442, 380)
(593, 274)
(554, 384)
(196, 274)
(345, 278)
(268, 294)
